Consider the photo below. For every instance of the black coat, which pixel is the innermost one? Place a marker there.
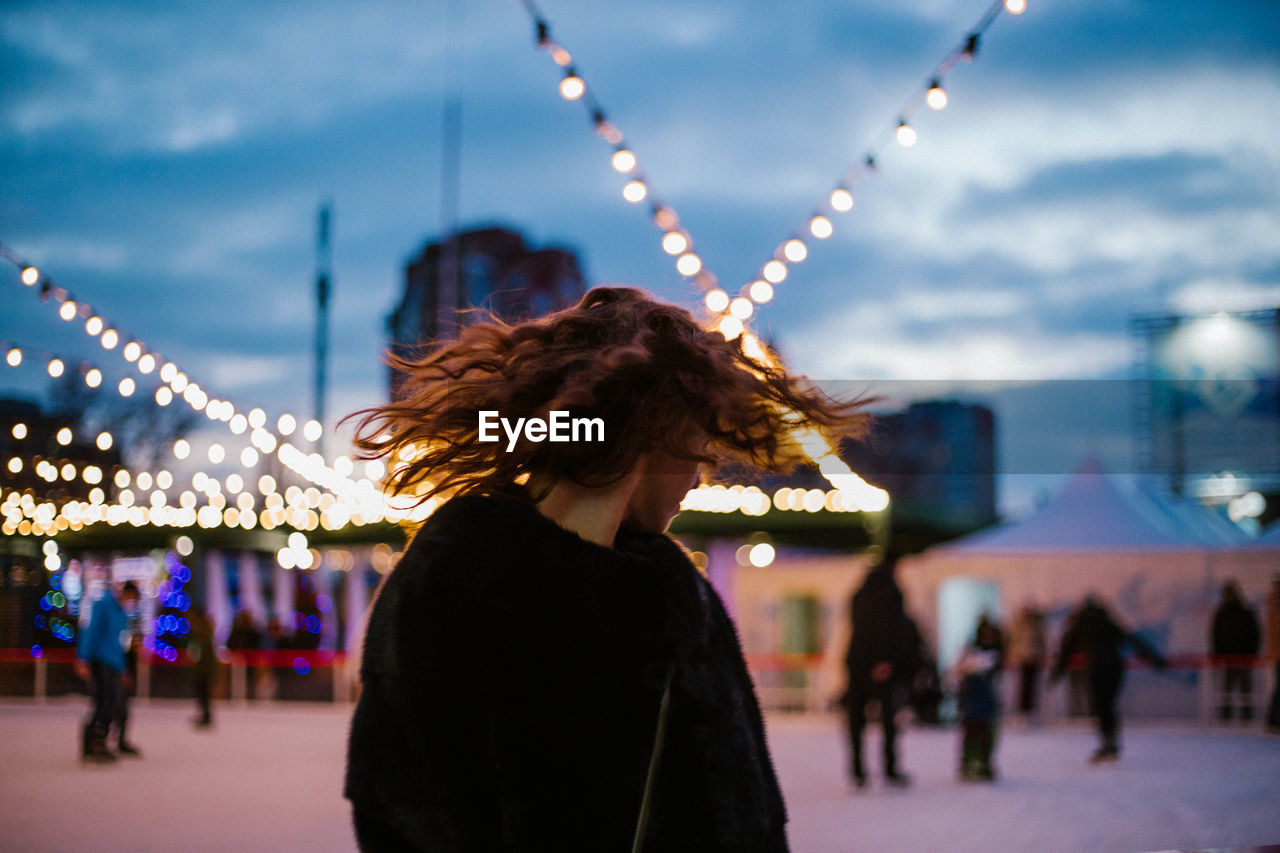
(881, 631)
(1235, 630)
(512, 676)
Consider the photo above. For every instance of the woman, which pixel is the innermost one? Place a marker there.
(521, 655)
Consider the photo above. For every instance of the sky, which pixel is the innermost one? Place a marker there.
(1098, 160)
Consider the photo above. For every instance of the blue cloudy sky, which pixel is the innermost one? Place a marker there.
(1100, 159)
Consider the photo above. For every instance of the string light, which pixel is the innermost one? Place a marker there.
(795, 251)
(30, 276)
(761, 291)
(774, 272)
(673, 243)
(1015, 7)
(689, 264)
(67, 310)
(13, 357)
(741, 308)
(717, 300)
(93, 377)
(56, 368)
(572, 87)
(905, 134)
(93, 326)
(623, 160)
(841, 200)
(109, 339)
(820, 227)
(936, 97)
(635, 191)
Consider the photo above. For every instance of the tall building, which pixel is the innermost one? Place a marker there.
(938, 460)
(492, 268)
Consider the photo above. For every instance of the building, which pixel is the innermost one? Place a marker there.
(938, 460)
(490, 268)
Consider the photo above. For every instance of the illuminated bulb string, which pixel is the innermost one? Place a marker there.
(636, 188)
(819, 224)
(145, 360)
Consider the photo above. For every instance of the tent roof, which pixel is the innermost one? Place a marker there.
(1098, 512)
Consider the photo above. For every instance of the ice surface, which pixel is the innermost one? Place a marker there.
(269, 778)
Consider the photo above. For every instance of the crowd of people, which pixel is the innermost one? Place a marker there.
(886, 658)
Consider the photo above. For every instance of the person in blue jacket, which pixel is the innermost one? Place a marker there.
(101, 661)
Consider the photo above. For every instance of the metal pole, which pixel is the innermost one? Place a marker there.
(323, 265)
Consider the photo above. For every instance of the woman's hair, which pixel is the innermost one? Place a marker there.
(647, 369)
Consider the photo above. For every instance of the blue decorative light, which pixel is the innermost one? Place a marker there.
(301, 666)
(323, 603)
(313, 624)
(37, 652)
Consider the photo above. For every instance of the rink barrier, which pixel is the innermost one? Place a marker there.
(240, 663)
(791, 681)
(784, 681)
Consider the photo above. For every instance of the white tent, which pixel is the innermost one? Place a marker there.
(1158, 562)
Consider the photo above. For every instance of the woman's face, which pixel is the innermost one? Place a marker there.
(663, 483)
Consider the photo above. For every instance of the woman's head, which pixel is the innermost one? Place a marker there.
(656, 379)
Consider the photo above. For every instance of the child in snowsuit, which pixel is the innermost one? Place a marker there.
(976, 700)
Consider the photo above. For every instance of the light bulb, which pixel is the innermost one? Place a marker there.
(820, 227)
(673, 242)
(30, 276)
(761, 291)
(257, 418)
(774, 271)
(131, 351)
(1016, 7)
(286, 424)
(635, 191)
(905, 134)
(126, 387)
(181, 448)
(93, 378)
(716, 300)
(795, 251)
(147, 363)
(730, 327)
(67, 310)
(841, 200)
(56, 367)
(312, 430)
(665, 218)
(741, 308)
(623, 160)
(163, 396)
(572, 87)
(93, 326)
(64, 436)
(13, 357)
(110, 339)
(936, 97)
(689, 264)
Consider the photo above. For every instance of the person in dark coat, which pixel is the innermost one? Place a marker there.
(544, 669)
(101, 660)
(1235, 636)
(203, 654)
(1093, 641)
(879, 662)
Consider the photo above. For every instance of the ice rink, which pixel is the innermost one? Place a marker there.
(269, 778)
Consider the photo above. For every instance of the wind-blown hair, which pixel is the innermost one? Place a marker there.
(656, 378)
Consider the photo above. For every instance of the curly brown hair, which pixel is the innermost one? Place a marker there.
(656, 378)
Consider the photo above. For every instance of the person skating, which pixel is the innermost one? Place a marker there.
(1027, 650)
(1273, 653)
(879, 664)
(204, 664)
(1235, 635)
(100, 660)
(1095, 640)
(976, 700)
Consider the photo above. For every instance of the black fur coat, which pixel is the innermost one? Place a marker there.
(512, 675)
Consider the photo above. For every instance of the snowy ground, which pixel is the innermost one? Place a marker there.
(268, 778)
